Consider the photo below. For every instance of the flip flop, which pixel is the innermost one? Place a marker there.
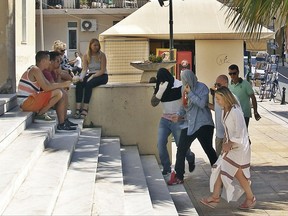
(210, 201)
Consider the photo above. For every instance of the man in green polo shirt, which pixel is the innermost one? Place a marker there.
(243, 90)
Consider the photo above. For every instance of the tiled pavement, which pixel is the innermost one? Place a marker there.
(269, 171)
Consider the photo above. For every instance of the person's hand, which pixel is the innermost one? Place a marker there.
(175, 118)
(187, 88)
(226, 147)
(161, 90)
(75, 79)
(66, 84)
(257, 116)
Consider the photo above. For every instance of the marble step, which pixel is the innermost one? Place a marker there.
(136, 194)
(12, 123)
(38, 193)
(159, 193)
(109, 191)
(182, 200)
(76, 194)
(7, 102)
(18, 158)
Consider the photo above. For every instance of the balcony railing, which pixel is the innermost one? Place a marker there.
(76, 4)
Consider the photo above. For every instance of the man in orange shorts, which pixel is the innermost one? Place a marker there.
(40, 95)
(36, 101)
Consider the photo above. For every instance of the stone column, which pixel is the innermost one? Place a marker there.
(7, 47)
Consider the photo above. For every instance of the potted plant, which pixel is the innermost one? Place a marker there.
(151, 66)
(84, 4)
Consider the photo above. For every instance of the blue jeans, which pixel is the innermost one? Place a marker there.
(166, 127)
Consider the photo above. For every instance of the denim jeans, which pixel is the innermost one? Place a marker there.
(205, 136)
(166, 127)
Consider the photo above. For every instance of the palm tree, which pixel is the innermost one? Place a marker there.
(250, 16)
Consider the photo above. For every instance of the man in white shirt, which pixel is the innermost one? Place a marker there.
(77, 64)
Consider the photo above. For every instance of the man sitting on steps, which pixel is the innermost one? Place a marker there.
(39, 95)
(54, 75)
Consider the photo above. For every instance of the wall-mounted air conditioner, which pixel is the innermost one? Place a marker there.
(88, 25)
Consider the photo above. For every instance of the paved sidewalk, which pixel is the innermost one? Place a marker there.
(269, 170)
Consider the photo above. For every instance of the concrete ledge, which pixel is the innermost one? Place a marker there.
(124, 110)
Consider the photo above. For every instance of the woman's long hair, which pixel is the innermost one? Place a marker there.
(89, 50)
(228, 96)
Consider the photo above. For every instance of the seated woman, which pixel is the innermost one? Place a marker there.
(93, 74)
(60, 47)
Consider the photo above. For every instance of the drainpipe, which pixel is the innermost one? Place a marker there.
(41, 26)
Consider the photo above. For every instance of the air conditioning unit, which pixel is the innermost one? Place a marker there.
(88, 25)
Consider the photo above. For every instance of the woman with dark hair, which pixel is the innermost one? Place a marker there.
(168, 92)
(93, 74)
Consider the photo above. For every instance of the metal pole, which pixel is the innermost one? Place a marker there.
(171, 43)
(283, 46)
(41, 26)
(274, 40)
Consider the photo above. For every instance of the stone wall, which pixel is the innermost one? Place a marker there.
(125, 111)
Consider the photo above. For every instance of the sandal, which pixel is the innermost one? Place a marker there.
(84, 113)
(210, 201)
(248, 204)
(77, 114)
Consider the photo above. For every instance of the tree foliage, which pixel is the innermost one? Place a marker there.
(250, 16)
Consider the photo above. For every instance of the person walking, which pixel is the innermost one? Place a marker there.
(168, 92)
(236, 156)
(93, 74)
(244, 91)
(221, 80)
(198, 123)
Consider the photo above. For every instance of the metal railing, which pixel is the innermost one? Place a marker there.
(76, 4)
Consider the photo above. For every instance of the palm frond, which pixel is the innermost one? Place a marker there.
(249, 16)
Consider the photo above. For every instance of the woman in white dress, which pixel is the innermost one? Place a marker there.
(236, 156)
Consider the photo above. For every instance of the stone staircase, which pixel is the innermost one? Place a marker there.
(77, 173)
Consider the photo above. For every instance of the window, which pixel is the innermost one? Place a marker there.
(72, 36)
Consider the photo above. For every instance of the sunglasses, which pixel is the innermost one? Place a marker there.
(232, 73)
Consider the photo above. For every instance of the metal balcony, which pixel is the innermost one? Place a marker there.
(76, 4)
